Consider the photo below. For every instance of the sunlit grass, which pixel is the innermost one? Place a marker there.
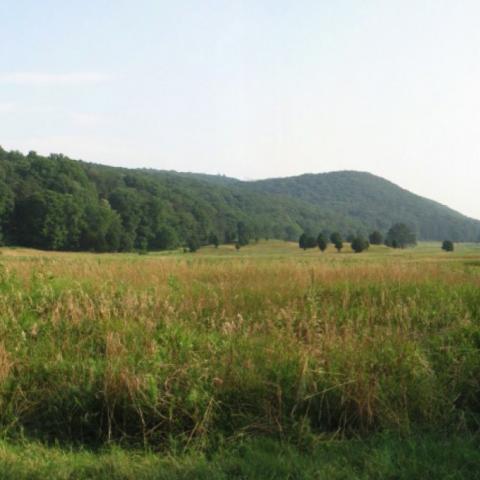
(178, 350)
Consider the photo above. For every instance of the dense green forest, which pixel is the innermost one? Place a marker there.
(61, 204)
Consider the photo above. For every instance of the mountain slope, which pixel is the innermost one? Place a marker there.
(374, 201)
(57, 203)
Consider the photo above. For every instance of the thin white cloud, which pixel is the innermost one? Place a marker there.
(53, 79)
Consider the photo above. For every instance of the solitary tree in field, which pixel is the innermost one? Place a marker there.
(400, 236)
(321, 242)
(448, 246)
(359, 244)
(376, 238)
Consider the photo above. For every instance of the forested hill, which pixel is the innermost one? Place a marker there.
(57, 203)
(375, 202)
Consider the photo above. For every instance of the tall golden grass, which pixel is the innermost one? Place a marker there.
(150, 349)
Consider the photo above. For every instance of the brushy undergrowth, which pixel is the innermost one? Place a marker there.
(166, 351)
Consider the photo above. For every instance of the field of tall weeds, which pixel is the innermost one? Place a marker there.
(194, 350)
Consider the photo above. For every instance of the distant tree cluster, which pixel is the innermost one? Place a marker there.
(309, 241)
(398, 236)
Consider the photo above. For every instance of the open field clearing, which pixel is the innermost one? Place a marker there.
(173, 365)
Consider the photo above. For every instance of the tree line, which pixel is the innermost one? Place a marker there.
(398, 236)
(56, 203)
(358, 243)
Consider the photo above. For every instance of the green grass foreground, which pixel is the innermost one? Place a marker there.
(240, 364)
(380, 457)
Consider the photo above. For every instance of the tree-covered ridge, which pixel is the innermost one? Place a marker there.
(375, 202)
(57, 203)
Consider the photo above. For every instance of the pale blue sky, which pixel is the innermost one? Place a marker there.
(251, 89)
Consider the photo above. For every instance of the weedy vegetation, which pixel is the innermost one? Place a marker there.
(267, 362)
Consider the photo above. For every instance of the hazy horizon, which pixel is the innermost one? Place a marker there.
(251, 90)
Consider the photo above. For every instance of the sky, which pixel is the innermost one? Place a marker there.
(251, 88)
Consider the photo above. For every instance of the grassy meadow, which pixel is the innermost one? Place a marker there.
(269, 362)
